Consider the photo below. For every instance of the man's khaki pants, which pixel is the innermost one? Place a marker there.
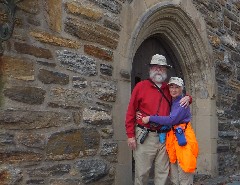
(151, 152)
(179, 177)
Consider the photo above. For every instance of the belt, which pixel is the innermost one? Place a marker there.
(148, 129)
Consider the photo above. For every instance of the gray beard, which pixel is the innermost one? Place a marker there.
(156, 77)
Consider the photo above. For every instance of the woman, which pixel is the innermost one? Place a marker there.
(183, 158)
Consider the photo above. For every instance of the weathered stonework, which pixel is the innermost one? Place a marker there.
(54, 9)
(92, 33)
(105, 91)
(18, 68)
(77, 63)
(53, 40)
(101, 53)
(29, 95)
(96, 116)
(51, 77)
(25, 120)
(29, 6)
(87, 12)
(68, 98)
(65, 81)
(68, 144)
(92, 170)
(31, 50)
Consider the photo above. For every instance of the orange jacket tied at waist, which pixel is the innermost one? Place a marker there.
(185, 155)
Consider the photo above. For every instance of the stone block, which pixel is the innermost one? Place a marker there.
(106, 91)
(106, 69)
(101, 53)
(50, 170)
(31, 7)
(111, 5)
(86, 11)
(15, 156)
(18, 68)
(92, 32)
(54, 40)
(51, 77)
(28, 95)
(70, 143)
(54, 9)
(26, 120)
(77, 63)
(95, 116)
(92, 169)
(24, 48)
(68, 98)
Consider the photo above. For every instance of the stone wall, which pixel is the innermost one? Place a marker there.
(57, 94)
(223, 26)
(58, 90)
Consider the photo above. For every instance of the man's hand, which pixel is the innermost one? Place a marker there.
(132, 143)
(184, 102)
(145, 120)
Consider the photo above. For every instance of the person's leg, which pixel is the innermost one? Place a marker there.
(144, 156)
(185, 178)
(174, 177)
(161, 165)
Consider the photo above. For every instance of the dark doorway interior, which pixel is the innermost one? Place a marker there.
(140, 69)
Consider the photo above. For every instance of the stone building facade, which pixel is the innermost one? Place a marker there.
(67, 74)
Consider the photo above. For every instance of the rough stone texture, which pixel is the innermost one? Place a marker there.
(51, 77)
(29, 6)
(32, 50)
(54, 10)
(109, 148)
(92, 33)
(17, 68)
(35, 181)
(46, 171)
(105, 91)
(78, 63)
(65, 182)
(68, 98)
(6, 139)
(106, 69)
(96, 116)
(68, 144)
(32, 140)
(15, 156)
(107, 132)
(86, 11)
(110, 24)
(28, 95)
(92, 170)
(53, 40)
(101, 53)
(79, 82)
(25, 120)
(111, 5)
(10, 175)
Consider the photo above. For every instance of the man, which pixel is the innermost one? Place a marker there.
(150, 97)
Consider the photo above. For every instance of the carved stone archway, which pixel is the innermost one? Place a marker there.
(178, 24)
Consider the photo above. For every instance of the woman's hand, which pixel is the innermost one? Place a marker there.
(145, 120)
(138, 115)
